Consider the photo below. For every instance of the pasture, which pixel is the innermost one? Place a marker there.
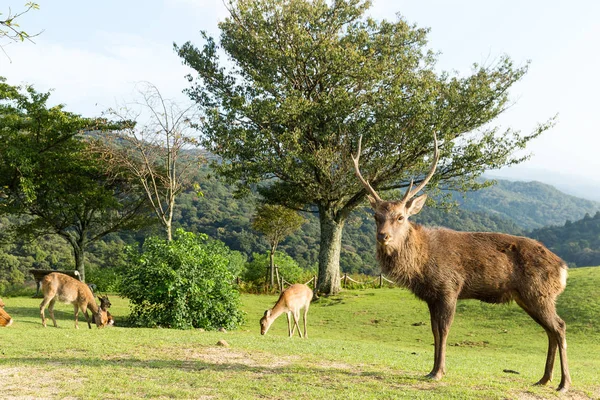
(363, 344)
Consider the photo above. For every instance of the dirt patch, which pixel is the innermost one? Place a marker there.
(570, 395)
(223, 355)
(44, 386)
(469, 343)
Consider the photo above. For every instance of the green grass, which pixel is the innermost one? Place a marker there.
(363, 344)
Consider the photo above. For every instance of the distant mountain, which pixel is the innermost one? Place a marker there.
(572, 184)
(576, 242)
(529, 205)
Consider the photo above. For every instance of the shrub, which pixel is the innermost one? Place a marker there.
(105, 279)
(185, 283)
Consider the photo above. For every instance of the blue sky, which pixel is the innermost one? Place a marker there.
(92, 54)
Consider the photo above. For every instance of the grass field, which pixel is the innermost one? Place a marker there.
(363, 344)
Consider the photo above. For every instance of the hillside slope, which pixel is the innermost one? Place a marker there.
(576, 242)
(530, 205)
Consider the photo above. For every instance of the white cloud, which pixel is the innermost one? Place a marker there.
(90, 79)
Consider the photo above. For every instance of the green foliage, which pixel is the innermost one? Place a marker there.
(256, 269)
(276, 222)
(576, 242)
(184, 283)
(52, 179)
(9, 27)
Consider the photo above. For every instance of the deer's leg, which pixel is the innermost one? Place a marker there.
(43, 305)
(561, 338)
(76, 309)
(545, 315)
(436, 339)
(296, 324)
(290, 328)
(87, 317)
(548, 370)
(305, 315)
(443, 313)
(51, 311)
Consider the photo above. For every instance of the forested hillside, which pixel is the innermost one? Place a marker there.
(576, 242)
(222, 216)
(529, 205)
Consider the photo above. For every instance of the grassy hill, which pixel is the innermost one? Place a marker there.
(363, 344)
(529, 205)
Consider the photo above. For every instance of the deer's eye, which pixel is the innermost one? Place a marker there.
(400, 218)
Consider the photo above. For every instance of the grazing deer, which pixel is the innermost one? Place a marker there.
(291, 301)
(103, 317)
(441, 266)
(57, 286)
(5, 319)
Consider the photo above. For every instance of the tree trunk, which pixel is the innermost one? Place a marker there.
(329, 252)
(169, 232)
(272, 267)
(79, 253)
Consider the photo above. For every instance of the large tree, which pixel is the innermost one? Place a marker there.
(53, 181)
(305, 78)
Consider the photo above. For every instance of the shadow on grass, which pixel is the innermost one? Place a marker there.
(393, 378)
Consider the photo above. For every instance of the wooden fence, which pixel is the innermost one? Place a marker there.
(379, 281)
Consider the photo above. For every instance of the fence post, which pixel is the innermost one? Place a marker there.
(380, 281)
(345, 280)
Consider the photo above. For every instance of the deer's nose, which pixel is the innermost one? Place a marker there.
(383, 237)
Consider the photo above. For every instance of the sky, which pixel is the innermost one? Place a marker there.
(92, 54)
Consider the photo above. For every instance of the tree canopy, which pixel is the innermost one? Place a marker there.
(304, 79)
(275, 222)
(50, 177)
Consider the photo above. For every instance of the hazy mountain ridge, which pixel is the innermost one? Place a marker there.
(530, 205)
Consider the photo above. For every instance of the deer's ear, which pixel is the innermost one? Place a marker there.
(372, 201)
(267, 313)
(413, 206)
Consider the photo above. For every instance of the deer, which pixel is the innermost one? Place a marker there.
(293, 299)
(57, 286)
(441, 266)
(5, 319)
(105, 317)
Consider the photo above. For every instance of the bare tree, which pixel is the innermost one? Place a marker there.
(156, 144)
(441, 266)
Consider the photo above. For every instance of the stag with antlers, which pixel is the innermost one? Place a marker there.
(441, 266)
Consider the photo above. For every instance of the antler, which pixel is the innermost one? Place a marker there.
(359, 175)
(436, 156)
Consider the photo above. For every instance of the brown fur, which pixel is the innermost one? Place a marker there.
(57, 286)
(441, 266)
(5, 319)
(291, 301)
(103, 318)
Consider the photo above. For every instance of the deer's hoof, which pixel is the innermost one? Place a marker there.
(563, 387)
(434, 376)
(542, 381)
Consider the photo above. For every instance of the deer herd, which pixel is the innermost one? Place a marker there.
(440, 266)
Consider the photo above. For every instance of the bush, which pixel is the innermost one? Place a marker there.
(105, 279)
(185, 283)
